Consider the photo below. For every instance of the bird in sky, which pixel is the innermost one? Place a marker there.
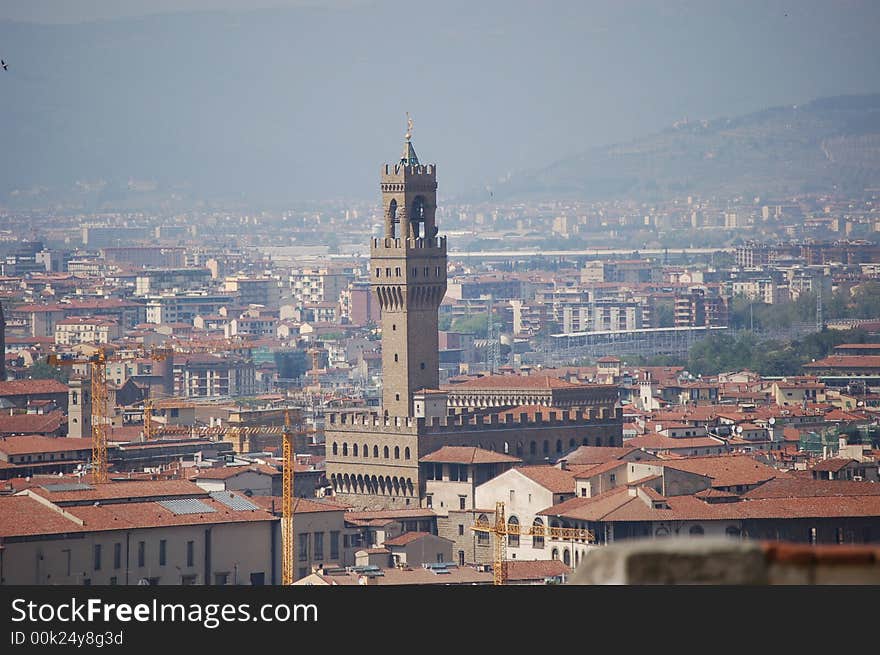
(3, 64)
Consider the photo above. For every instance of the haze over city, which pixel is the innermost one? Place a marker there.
(273, 102)
(377, 293)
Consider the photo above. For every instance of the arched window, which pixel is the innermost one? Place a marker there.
(506, 447)
(366, 451)
(344, 449)
(335, 448)
(406, 453)
(482, 537)
(554, 554)
(533, 448)
(559, 445)
(538, 542)
(566, 557)
(513, 532)
(392, 213)
(546, 447)
(375, 451)
(598, 441)
(354, 450)
(396, 452)
(696, 531)
(385, 452)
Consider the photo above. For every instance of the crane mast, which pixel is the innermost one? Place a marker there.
(287, 535)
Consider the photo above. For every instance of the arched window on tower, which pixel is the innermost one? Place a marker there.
(417, 217)
(392, 213)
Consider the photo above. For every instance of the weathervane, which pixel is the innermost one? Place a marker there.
(409, 126)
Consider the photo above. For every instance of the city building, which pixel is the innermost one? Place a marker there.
(374, 459)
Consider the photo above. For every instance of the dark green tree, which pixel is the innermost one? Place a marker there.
(42, 371)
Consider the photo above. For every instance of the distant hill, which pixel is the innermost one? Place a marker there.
(826, 144)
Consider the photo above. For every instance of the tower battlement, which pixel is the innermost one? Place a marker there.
(342, 421)
(397, 243)
(408, 171)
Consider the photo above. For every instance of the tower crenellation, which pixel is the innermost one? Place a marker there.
(408, 276)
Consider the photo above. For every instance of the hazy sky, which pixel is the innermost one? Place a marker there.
(305, 100)
(78, 11)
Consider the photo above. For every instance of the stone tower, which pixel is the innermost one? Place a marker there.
(408, 273)
(79, 408)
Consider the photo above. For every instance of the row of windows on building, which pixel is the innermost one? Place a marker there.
(414, 271)
(387, 485)
(356, 452)
(141, 554)
(533, 449)
(49, 457)
(316, 541)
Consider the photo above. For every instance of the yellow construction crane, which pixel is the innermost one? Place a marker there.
(148, 419)
(501, 530)
(287, 535)
(97, 363)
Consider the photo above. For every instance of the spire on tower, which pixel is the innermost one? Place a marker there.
(409, 157)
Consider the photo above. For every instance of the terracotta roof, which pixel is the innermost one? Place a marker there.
(597, 469)
(555, 480)
(467, 455)
(31, 387)
(652, 493)
(807, 488)
(535, 570)
(832, 464)
(23, 515)
(123, 491)
(715, 493)
(846, 361)
(727, 470)
(226, 472)
(406, 538)
(31, 423)
(597, 454)
(617, 505)
(527, 382)
(659, 442)
(28, 444)
(415, 576)
(126, 516)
